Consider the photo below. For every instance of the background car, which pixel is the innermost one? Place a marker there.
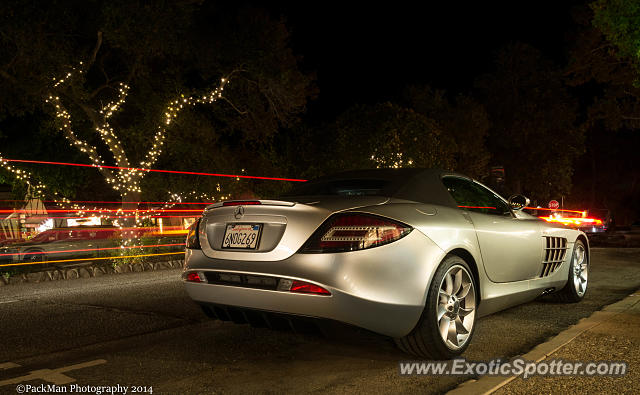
(414, 254)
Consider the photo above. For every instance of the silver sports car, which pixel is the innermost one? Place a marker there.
(414, 254)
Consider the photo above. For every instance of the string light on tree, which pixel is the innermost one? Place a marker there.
(35, 188)
(126, 180)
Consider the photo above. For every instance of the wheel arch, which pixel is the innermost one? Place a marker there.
(473, 265)
(582, 237)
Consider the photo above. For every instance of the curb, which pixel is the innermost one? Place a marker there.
(489, 384)
(88, 270)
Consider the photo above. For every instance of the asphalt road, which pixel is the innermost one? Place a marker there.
(140, 329)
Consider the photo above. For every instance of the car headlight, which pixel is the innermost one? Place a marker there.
(193, 240)
(354, 231)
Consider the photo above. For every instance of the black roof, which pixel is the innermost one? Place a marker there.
(416, 184)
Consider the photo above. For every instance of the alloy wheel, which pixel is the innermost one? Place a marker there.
(580, 269)
(456, 307)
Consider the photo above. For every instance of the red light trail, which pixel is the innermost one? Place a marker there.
(195, 173)
(106, 210)
(145, 216)
(550, 209)
(108, 202)
(573, 221)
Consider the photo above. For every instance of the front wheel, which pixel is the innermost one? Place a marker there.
(576, 286)
(446, 326)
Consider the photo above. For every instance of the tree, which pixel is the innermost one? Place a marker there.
(619, 21)
(20, 138)
(533, 133)
(610, 100)
(387, 135)
(121, 83)
(463, 119)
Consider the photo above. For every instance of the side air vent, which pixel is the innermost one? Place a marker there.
(554, 252)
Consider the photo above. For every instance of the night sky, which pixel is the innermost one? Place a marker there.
(367, 53)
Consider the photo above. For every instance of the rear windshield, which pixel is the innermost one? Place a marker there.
(355, 187)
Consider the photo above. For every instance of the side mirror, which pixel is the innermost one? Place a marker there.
(518, 202)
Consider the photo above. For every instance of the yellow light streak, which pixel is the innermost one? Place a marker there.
(90, 259)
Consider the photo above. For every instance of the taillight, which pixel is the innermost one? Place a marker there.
(351, 232)
(194, 277)
(193, 241)
(307, 288)
(241, 203)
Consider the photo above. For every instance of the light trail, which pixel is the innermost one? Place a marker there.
(572, 221)
(89, 249)
(195, 173)
(105, 202)
(107, 210)
(90, 259)
(550, 209)
(145, 216)
(108, 228)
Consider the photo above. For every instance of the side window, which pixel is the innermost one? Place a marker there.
(474, 197)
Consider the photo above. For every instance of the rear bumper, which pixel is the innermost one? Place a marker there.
(387, 319)
(382, 289)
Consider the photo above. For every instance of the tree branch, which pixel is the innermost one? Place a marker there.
(245, 112)
(94, 54)
(113, 143)
(98, 90)
(80, 144)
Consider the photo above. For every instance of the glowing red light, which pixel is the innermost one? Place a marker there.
(41, 162)
(193, 277)
(573, 221)
(241, 203)
(142, 212)
(306, 288)
(108, 202)
(128, 216)
(550, 209)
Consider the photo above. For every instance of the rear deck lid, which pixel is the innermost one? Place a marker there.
(266, 230)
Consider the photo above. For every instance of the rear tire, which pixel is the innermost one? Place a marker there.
(447, 323)
(576, 286)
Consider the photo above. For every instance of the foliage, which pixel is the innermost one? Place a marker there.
(611, 116)
(135, 254)
(619, 21)
(182, 47)
(533, 133)
(463, 119)
(602, 77)
(387, 135)
(31, 138)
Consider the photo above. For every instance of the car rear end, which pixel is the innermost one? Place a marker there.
(328, 257)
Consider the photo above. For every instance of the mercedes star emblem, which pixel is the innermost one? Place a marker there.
(238, 212)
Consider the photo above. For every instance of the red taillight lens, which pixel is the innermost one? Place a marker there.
(241, 203)
(351, 232)
(193, 240)
(194, 277)
(307, 288)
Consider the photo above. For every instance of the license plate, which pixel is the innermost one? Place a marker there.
(242, 236)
